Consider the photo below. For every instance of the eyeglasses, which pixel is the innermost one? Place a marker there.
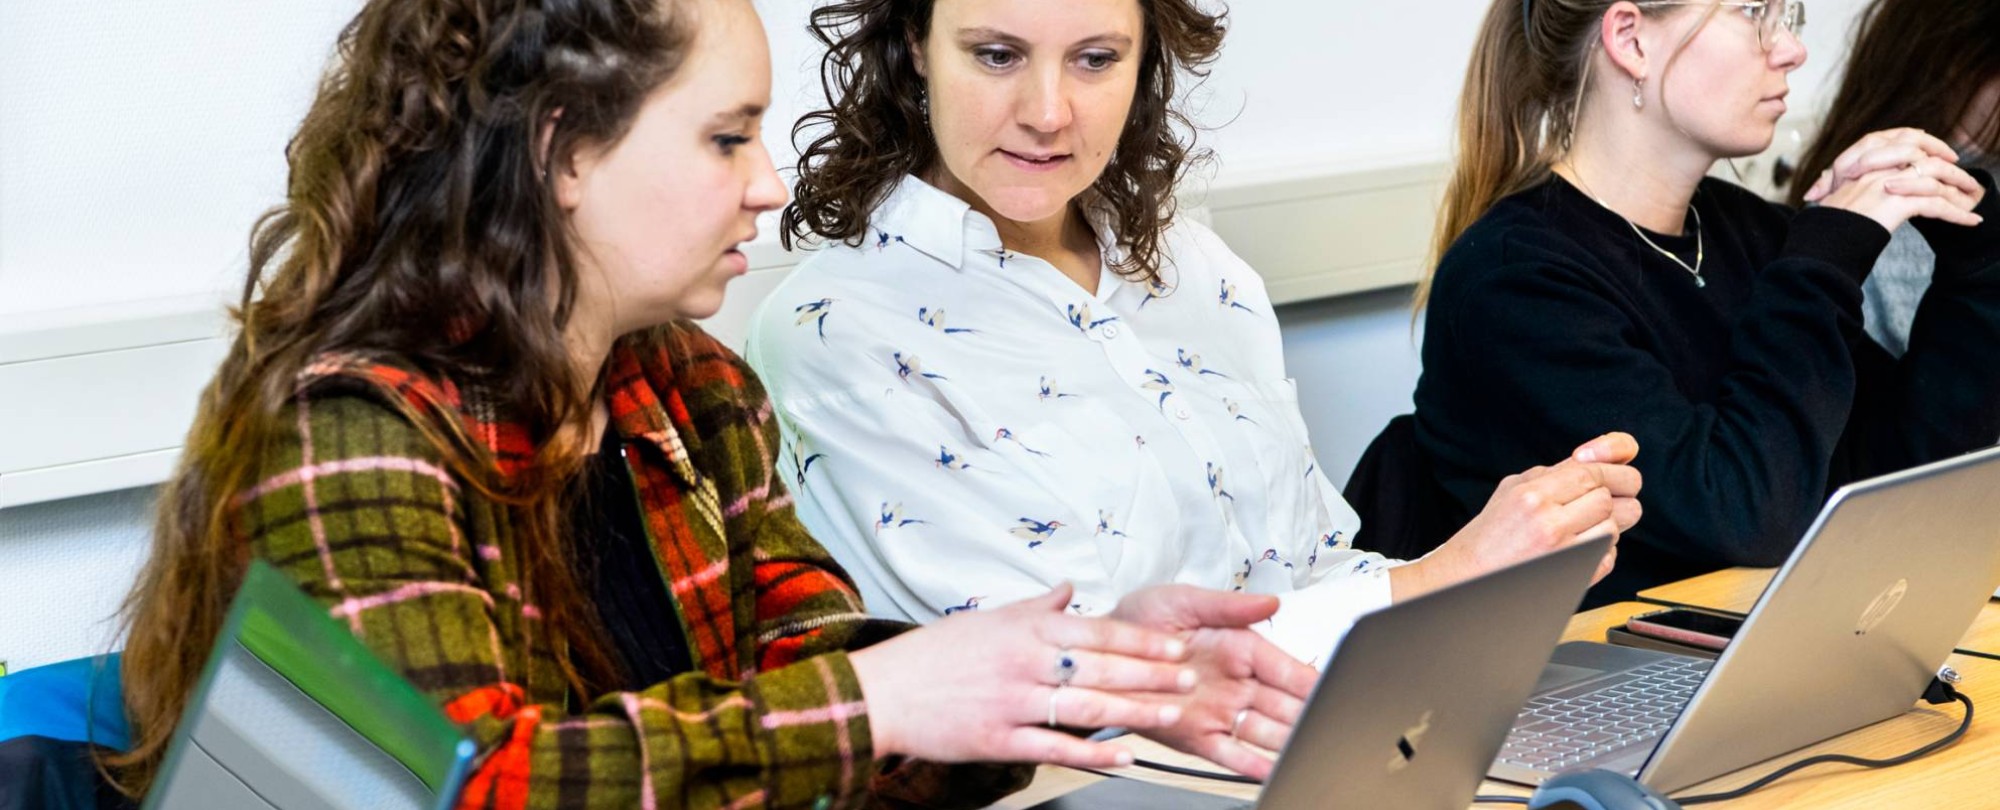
(1768, 15)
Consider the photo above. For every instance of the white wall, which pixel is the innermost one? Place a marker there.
(139, 138)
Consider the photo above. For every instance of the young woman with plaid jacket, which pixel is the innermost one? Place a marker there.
(500, 217)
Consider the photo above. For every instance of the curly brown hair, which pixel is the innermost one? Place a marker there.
(420, 224)
(873, 131)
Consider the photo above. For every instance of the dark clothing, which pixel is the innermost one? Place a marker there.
(1404, 513)
(1552, 322)
(621, 576)
(43, 773)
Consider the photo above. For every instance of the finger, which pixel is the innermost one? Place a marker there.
(1574, 480)
(1605, 566)
(1090, 708)
(1931, 144)
(1123, 674)
(1936, 207)
(1893, 157)
(1910, 136)
(1263, 732)
(1951, 174)
(1237, 757)
(1032, 744)
(1111, 636)
(1278, 670)
(1820, 187)
(1589, 511)
(1626, 512)
(1056, 600)
(1610, 448)
(1278, 705)
(1194, 608)
(1600, 529)
(1909, 184)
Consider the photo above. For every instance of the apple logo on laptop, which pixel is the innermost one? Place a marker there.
(1879, 609)
(1406, 747)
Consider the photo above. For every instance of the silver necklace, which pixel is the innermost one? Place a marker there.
(1700, 252)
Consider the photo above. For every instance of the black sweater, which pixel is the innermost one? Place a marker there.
(1752, 398)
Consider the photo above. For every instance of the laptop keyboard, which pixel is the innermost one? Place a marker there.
(1554, 733)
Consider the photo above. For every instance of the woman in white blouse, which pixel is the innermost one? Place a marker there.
(1011, 366)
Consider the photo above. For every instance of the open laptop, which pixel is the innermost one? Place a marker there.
(293, 712)
(1849, 632)
(1414, 704)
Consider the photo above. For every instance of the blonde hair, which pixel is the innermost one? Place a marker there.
(1523, 93)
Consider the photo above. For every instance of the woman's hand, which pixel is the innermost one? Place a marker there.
(982, 687)
(1241, 675)
(1592, 493)
(1894, 175)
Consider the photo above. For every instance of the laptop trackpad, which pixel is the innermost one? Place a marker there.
(1556, 676)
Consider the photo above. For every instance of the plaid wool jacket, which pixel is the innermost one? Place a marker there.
(359, 507)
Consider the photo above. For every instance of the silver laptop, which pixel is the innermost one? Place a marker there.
(1849, 632)
(1415, 702)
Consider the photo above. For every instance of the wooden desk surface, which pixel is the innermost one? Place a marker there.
(1736, 590)
(1961, 775)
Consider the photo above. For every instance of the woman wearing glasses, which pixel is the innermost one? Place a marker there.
(1592, 277)
(1929, 64)
(1011, 365)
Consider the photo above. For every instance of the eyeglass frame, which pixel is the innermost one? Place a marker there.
(1793, 21)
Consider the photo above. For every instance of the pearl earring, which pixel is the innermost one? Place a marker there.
(1638, 94)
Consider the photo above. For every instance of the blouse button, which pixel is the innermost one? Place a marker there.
(1182, 414)
(1111, 331)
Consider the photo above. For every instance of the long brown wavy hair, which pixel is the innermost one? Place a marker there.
(1915, 63)
(1524, 91)
(419, 224)
(873, 131)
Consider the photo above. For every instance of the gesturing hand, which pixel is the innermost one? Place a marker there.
(1535, 512)
(983, 687)
(1241, 675)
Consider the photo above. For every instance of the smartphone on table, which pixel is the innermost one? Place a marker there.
(1682, 630)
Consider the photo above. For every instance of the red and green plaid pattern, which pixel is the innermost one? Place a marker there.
(359, 507)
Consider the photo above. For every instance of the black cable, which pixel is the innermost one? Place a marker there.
(1949, 695)
(1196, 773)
(1938, 693)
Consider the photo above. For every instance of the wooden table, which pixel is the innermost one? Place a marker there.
(1735, 590)
(1963, 775)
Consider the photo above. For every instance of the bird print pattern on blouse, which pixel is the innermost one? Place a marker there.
(892, 518)
(815, 311)
(1048, 391)
(1036, 532)
(1079, 317)
(1005, 435)
(950, 461)
(934, 318)
(802, 460)
(1155, 381)
(908, 366)
(1228, 298)
(1104, 520)
(1192, 362)
(1034, 414)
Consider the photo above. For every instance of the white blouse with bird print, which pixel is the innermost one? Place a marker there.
(965, 426)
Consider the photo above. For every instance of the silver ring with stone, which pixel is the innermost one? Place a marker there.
(1065, 667)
